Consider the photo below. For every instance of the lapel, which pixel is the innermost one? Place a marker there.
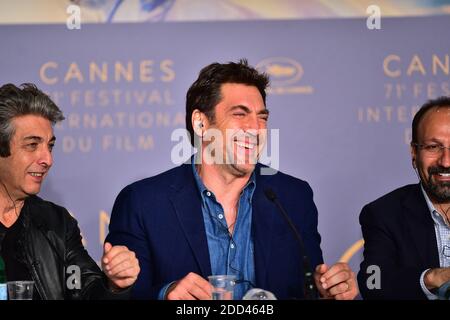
(263, 212)
(186, 202)
(421, 226)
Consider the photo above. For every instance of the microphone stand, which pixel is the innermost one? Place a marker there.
(310, 289)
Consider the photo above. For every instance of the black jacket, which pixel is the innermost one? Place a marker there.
(49, 244)
(399, 237)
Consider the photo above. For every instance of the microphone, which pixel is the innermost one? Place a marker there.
(310, 289)
(444, 291)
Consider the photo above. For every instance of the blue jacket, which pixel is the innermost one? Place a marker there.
(160, 218)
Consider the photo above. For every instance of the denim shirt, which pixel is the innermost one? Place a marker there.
(230, 254)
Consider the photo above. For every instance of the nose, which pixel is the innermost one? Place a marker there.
(46, 158)
(444, 160)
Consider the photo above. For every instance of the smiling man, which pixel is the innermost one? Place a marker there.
(212, 216)
(39, 240)
(407, 232)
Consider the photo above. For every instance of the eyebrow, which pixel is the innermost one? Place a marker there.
(247, 109)
(433, 140)
(37, 138)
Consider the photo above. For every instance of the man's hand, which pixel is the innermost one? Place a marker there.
(120, 266)
(337, 282)
(434, 278)
(191, 287)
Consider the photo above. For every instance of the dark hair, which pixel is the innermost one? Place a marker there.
(205, 93)
(430, 104)
(16, 102)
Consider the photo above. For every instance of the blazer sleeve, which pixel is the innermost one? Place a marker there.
(396, 280)
(128, 228)
(312, 237)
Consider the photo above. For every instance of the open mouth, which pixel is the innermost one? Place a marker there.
(246, 141)
(439, 173)
(37, 174)
(442, 177)
(246, 145)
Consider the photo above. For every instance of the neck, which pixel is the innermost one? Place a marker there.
(10, 207)
(9, 212)
(443, 208)
(225, 186)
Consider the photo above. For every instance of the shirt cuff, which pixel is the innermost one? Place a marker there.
(162, 293)
(425, 290)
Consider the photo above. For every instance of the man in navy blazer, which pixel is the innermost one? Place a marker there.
(407, 232)
(211, 216)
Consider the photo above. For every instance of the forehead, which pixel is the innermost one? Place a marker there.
(435, 123)
(32, 125)
(234, 94)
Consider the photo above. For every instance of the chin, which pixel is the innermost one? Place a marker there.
(33, 191)
(243, 169)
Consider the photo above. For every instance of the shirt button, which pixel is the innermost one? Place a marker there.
(220, 216)
(232, 246)
(208, 194)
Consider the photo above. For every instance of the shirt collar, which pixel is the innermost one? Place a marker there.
(434, 213)
(250, 185)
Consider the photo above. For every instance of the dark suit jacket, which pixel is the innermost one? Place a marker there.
(160, 218)
(399, 238)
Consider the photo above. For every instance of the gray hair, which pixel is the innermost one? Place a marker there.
(16, 102)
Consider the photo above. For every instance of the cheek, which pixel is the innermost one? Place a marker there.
(423, 166)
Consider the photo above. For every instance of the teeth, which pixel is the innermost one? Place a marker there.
(445, 174)
(245, 145)
(35, 174)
